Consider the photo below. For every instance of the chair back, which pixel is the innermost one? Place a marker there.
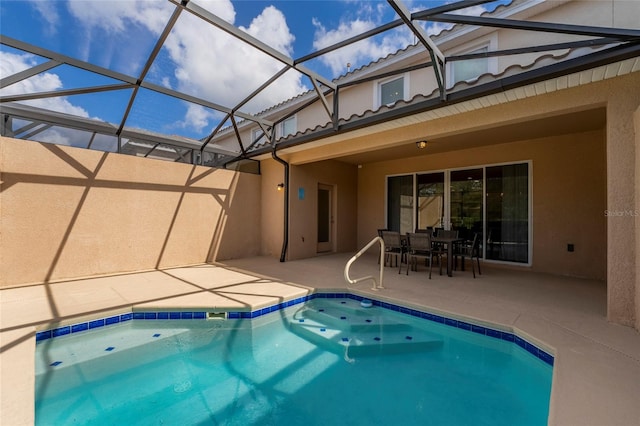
(475, 245)
(418, 241)
(447, 233)
(427, 230)
(391, 239)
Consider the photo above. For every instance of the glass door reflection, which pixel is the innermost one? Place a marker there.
(465, 205)
(430, 190)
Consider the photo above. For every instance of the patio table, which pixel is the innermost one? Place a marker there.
(449, 242)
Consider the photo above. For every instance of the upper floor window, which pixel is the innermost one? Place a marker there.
(391, 91)
(469, 69)
(288, 127)
(258, 133)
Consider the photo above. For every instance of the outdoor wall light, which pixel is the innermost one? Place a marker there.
(280, 186)
(421, 144)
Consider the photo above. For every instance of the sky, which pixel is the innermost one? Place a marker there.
(196, 58)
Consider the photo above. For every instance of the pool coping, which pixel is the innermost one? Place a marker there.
(509, 334)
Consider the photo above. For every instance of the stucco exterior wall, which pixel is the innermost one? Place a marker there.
(68, 212)
(622, 231)
(636, 126)
(303, 216)
(303, 198)
(272, 209)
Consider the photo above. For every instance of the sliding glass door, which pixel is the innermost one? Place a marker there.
(430, 193)
(466, 197)
(508, 213)
(400, 203)
(492, 201)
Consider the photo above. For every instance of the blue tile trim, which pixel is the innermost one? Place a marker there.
(57, 332)
(43, 335)
(163, 315)
(116, 319)
(97, 323)
(112, 320)
(79, 327)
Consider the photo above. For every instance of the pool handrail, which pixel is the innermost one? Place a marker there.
(376, 284)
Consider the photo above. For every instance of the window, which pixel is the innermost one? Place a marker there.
(388, 92)
(288, 127)
(258, 133)
(470, 69)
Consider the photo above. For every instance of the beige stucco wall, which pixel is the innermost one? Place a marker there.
(622, 231)
(68, 212)
(303, 232)
(636, 126)
(568, 199)
(272, 209)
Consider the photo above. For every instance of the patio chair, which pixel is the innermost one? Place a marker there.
(393, 247)
(419, 246)
(470, 249)
(428, 230)
(380, 230)
(447, 233)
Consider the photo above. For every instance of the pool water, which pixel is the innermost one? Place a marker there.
(327, 362)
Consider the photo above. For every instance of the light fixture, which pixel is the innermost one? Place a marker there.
(421, 144)
(280, 186)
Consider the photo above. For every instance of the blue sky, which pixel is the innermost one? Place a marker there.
(197, 58)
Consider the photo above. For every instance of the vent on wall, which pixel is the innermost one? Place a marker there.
(216, 315)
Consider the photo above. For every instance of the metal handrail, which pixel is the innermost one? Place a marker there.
(376, 284)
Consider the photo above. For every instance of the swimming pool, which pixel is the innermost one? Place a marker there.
(325, 361)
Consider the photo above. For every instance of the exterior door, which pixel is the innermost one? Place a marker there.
(325, 218)
(430, 194)
(466, 195)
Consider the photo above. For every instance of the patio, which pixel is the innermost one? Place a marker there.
(597, 365)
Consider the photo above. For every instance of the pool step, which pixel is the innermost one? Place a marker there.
(366, 342)
(349, 318)
(92, 346)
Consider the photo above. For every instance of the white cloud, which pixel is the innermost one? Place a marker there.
(49, 13)
(196, 118)
(11, 63)
(204, 61)
(371, 49)
(59, 136)
(357, 53)
(116, 16)
(217, 66)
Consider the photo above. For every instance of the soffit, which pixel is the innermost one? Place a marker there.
(577, 122)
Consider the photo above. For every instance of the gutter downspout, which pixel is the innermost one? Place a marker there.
(285, 242)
